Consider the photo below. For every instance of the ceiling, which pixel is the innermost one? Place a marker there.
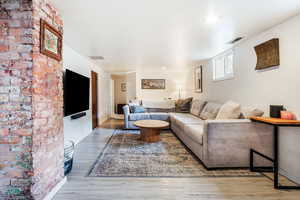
(142, 34)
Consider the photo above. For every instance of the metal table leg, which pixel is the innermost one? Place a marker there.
(275, 161)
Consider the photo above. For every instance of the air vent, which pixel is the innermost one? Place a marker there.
(235, 40)
(97, 57)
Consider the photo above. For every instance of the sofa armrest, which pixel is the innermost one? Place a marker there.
(229, 141)
(210, 125)
(126, 112)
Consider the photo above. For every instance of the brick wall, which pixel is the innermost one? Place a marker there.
(47, 97)
(31, 115)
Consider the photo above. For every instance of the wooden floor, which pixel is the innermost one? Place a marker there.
(80, 187)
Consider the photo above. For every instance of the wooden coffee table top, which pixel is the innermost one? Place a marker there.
(151, 124)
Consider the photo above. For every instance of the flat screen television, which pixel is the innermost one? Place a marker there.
(76, 93)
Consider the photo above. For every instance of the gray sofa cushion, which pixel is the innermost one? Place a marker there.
(181, 119)
(195, 132)
(210, 111)
(160, 116)
(197, 107)
(186, 117)
(138, 116)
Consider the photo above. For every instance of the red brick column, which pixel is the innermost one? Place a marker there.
(31, 114)
(47, 101)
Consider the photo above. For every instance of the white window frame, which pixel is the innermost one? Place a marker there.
(224, 56)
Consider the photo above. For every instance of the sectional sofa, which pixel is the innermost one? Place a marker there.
(218, 142)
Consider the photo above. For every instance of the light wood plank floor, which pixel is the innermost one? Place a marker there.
(80, 187)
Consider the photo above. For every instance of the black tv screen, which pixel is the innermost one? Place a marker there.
(76, 93)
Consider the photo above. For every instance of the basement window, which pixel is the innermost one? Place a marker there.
(223, 66)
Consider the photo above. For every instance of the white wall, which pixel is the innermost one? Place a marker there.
(120, 96)
(123, 97)
(77, 129)
(274, 86)
(175, 78)
(131, 86)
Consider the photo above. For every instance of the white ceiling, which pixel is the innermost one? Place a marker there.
(154, 33)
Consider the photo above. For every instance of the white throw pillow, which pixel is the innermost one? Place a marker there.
(230, 110)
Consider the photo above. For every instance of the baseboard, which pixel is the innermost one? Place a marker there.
(53, 192)
(103, 119)
(291, 178)
(117, 116)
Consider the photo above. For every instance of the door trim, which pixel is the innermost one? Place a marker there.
(95, 119)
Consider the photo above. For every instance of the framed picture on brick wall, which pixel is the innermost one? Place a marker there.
(50, 41)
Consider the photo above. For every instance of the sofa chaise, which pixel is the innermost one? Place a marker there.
(218, 143)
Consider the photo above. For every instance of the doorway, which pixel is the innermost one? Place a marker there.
(95, 99)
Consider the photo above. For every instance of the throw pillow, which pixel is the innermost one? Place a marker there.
(183, 105)
(197, 107)
(210, 111)
(133, 103)
(138, 109)
(248, 112)
(230, 110)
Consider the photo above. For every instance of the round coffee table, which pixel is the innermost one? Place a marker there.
(150, 129)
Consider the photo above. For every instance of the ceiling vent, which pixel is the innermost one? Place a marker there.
(97, 57)
(235, 40)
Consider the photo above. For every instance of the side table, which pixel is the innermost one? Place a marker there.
(276, 123)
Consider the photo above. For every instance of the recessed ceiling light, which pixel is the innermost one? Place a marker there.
(211, 19)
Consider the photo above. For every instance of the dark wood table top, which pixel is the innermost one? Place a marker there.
(275, 121)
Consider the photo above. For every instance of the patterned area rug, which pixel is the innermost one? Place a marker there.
(126, 156)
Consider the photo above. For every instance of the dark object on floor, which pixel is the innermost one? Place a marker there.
(120, 108)
(275, 110)
(68, 156)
